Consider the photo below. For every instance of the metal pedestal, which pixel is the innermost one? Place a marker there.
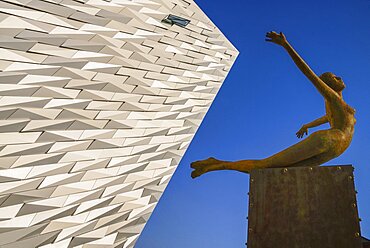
(303, 207)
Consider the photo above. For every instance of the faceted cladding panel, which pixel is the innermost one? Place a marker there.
(98, 102)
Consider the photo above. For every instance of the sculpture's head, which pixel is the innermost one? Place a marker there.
(333, 81)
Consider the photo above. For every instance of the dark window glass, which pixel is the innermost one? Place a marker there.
(172, 19)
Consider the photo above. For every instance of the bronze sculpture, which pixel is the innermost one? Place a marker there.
(317, 148)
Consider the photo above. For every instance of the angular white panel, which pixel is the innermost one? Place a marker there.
(99, 100)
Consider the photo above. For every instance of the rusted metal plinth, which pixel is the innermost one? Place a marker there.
(303, 207)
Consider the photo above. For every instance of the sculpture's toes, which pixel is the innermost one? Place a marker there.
(196, 173)
(197, 164)
(202, 163)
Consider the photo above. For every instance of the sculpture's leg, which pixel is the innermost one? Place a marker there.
(315, 149)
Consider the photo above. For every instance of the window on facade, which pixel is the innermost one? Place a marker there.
(172, 19)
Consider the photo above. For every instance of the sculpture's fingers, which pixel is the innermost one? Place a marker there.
(269, 34)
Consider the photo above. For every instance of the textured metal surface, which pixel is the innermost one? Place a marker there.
(303, 208)
(365, 243)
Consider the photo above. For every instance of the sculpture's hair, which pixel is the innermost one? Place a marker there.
(327, 78)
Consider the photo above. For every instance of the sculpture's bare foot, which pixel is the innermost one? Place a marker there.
(197, 172)
(202, 164)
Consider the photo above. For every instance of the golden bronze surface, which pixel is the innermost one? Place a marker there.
(317, 148)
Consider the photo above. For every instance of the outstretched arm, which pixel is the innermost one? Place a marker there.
(280, 39)
(315, 123)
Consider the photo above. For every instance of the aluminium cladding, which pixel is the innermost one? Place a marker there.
(98, 102)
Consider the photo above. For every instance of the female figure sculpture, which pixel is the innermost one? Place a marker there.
(317, 148)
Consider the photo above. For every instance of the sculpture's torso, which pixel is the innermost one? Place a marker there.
(342, 121)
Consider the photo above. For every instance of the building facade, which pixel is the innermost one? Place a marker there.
(99, 100)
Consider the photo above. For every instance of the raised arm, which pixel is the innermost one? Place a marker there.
(315, 123)
(324, 89)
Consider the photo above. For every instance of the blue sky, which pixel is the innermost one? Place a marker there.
(263, 102)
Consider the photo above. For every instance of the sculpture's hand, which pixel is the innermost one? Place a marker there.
(301, 132)
(276, 38)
